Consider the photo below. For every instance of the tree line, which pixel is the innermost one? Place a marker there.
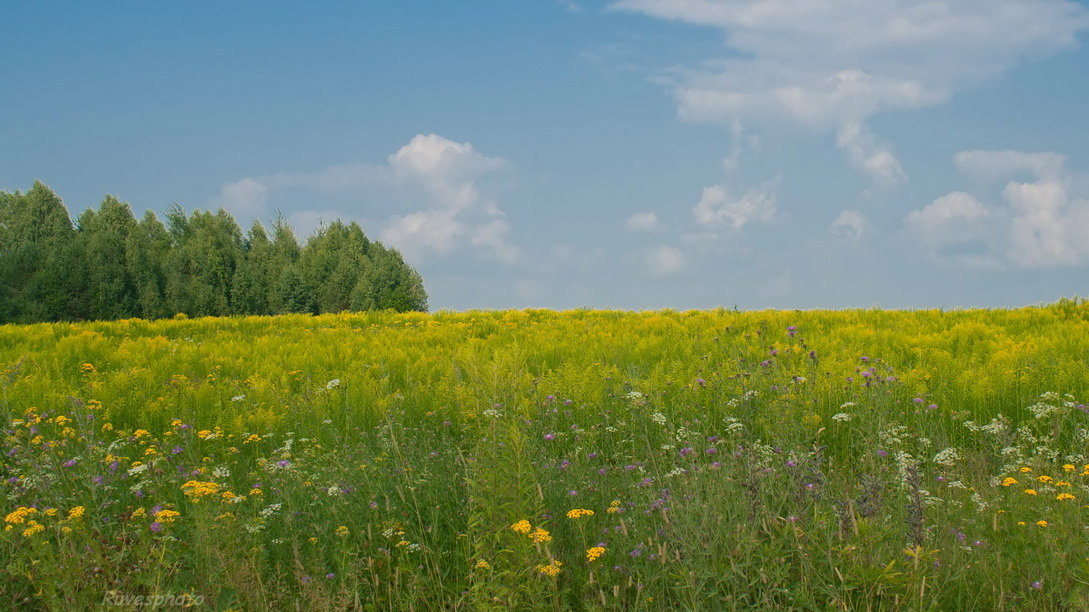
(110, 265)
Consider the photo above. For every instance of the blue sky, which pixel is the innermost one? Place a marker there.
(627, 154)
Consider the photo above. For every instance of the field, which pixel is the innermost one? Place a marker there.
(542, 460)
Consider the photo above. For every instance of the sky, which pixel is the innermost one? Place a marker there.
(627, 154)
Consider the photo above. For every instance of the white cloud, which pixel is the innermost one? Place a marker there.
(440, 181)
(1049, 227)
(849, 222)
(244, 198)
(664, 260)
(950, 208)
(1043, 223)
(869, 156)
(1001, 165)
(831, 64)
(642, 222)
(719, 208)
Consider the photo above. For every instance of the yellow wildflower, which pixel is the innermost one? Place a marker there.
(1064, 496)
(167, 516)
(551, 569)
(32, 528)
(1069, 468)
(482, 564)
(76, 513)
(1009, 481)
(1045, 478)
(578, 513)
(19, 515)
(1041, 523)
(592, 554)
(139, 513)
(522, 526)
(1030, 491)
(540, 535)
(1026, 470)
(342, 531)
(51, 512)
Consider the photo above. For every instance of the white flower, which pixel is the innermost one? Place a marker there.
(221, 472)
(492, 412)
(658, 418)
(842, 417)
(238, 398)
(947, 457)
(332, 384)
(333, 491)
(139, 469)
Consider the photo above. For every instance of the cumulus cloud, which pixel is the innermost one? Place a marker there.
(869, 156)
(664, 260)
(642, 222)
(441, 182)
(1043, 222)
(718, 208)
(832, 64)
(849, 223)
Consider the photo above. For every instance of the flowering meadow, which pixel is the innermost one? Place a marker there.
(817, 460)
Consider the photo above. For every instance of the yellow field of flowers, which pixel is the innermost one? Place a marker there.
(550, 460)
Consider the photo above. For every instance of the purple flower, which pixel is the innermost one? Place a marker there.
(572, 493)
(711, 451)
(98, 480)
(791, 463)
(592, 455)
(330, 575)
(69, 463)
(864, 358)
(175, 450)
(686, 451)
(549, 436)
(601, 471)
(701, 382)
(918, 400)
(932, 407)
(1037, 585)
(283, 463)
(882, 452)
(765, 363)
(156, 527)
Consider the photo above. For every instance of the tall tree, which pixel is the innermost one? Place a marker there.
(103, 237)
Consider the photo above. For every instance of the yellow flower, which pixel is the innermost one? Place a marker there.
(139, 513)
(32, 528)
(578, 513)
(196, 489)
(482, 564)
(1041, 523)
(1069, 468)
(19, 515)
(540, 535)
(1045, 478)
(1064, 496)
(522, 526)
(1030, 491)
(551, 569)
(1062, 483)
(75, 513)
(342, 531)
(167, 516)
(1025, 470)
(51, 512)
(140, 433)
(1009, 481)
(592, 554)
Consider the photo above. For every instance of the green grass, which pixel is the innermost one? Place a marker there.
(379, 461)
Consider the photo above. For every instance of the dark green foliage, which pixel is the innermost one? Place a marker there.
(108, 265)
